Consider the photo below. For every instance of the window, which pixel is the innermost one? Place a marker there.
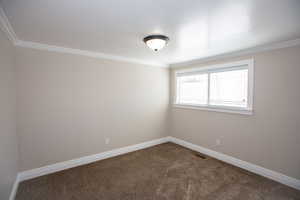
(226, 88)
(193, 89)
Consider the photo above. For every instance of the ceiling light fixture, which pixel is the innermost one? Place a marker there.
(156, 42)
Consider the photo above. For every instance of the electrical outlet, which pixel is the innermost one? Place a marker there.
(218, 142)
(107, 140)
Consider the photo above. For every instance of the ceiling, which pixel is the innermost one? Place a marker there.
(197, 28)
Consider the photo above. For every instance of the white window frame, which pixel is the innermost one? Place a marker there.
(243, 64)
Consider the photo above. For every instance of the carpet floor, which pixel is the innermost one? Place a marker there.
(163, 172)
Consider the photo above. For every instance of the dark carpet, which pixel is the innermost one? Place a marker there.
(162, 172)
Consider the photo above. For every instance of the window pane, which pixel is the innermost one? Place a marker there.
(192, 89)
(229, 88)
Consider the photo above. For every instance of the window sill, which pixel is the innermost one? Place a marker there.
(231, 110)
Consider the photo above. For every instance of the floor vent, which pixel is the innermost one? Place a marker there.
(200, 156)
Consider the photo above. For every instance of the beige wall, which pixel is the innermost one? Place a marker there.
(271, 136)
(68, 104)
(8, 137)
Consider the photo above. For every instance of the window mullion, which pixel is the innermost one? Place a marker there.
(208, 89)
(177, 100)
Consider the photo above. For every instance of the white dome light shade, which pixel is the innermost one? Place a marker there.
(156, 42)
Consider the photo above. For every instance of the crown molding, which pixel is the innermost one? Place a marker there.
(6, 27)
(40, 46)
(10, 33)
(258, 49)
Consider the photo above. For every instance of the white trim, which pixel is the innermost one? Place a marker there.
(33, 173)
(251, 84)
(14, 190)
(217, 67)
(242, 52)
(276, 176)
(40, 46)
(10, 33)
(242, 64)
(215, 109)
(6, 27)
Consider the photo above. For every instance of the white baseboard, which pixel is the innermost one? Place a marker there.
(276, 176)
(29, 174)
(14, 189)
